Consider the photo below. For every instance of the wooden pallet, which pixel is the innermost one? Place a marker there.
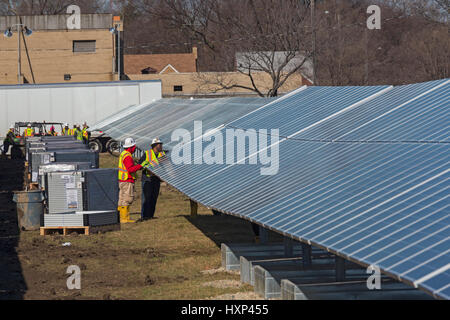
(83, 230)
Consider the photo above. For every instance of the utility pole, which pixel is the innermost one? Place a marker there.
(118, 58)
(313, 29)
(8, 33)
(115, 30)
(366, 39)
(19, 59)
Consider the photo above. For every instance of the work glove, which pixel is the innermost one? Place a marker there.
(145, 164)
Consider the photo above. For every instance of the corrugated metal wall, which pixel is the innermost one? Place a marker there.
(72, 103)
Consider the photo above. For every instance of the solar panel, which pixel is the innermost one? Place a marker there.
(307, 107)
(117, 117)
(363, 172)
(408, 110)
(161, 118)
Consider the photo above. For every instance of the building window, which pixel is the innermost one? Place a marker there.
(84, 46)
(177, 88)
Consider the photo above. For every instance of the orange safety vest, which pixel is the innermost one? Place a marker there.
(123, 172)
(29, 132)
(153, 159)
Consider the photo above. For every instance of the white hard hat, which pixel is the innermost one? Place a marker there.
(129, 142)
(11, 126)
(66, 124)
(156, 141)
(29, 125)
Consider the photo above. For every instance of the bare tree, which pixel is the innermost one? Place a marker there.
(412, 45)
(269, 36)
(44, 7)
(273, 37)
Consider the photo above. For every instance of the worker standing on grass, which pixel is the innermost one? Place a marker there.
(29, 132)
(150, 182)
(9, 140)
(127, 179)
(85, 133)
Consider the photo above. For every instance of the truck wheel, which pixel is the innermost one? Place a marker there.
(108, 143)
(95, 145)
(113, 147)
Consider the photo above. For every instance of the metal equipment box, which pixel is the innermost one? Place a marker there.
(78, 156)
(57, 138)
(85, 190)
(59, 167)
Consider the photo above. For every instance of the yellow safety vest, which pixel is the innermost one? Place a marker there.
(65, 132)
(153, 159)
(10, 137)
(29, 132)
(85, 134)
(79, 135)
(123, 172)
(71, 132)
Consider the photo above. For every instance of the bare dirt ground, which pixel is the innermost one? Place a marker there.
(175, 256)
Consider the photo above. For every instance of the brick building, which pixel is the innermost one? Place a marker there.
(180, 77)
(161, 63)
(57, 54)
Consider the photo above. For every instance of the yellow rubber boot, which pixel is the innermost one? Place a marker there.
(125, 215)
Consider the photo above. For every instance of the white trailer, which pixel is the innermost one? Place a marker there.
(72, 102)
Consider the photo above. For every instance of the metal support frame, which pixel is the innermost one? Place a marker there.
(306, 255)
(340, 269)
(263, 235)
(288, 247)
(194, 208)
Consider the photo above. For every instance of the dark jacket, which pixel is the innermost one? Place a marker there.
(10, 136)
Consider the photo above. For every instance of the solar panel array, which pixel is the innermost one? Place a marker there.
(362, 172)
(160, 118)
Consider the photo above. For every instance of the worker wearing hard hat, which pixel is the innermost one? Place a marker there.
(150, 182)
(9, 140)
(29, 132)
(73, 131)
(66, 130)
(78, 133)
(85, 133)
(127, 179)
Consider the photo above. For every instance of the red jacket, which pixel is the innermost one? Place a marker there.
(131, 167)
